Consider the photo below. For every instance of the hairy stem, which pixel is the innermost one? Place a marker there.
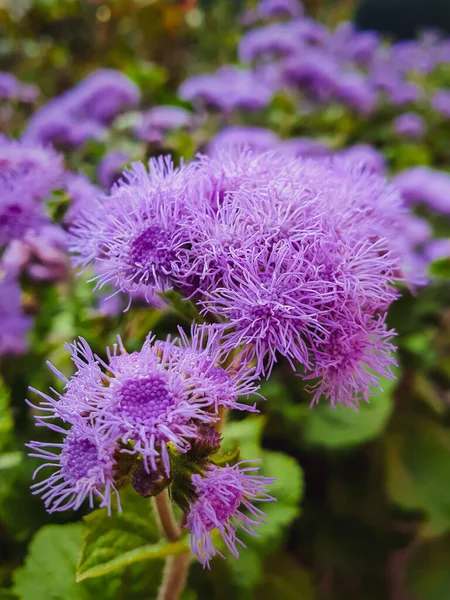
(163, 509)
(174, 576)
(177, 566)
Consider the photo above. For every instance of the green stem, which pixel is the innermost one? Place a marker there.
(166, 517)
(174, 576)
(177, 566)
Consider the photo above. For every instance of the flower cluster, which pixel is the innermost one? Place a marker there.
(296, 257)
(127, 419)
(83, 112)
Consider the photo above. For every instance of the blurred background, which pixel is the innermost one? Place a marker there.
(364, 497)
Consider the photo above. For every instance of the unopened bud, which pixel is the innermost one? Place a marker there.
(148, 484)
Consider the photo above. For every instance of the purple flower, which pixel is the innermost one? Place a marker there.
(225, 498)
(14, 324)
(427, 186)
(160, 119)
(410, 125)
(437, 249)
(227, 89)
(256, 138)
(136, 232)
(202, 360)
(404, 92)
(441, 102)
(83, 112)
(277, 39)
(315, 71)
(356, 91)
(83, 195)
(139, 403)
(30, 166)
(19, 211)
(54, 124)
(83, 468)
(366, 156)
(304, 146)
(42, 255)
(9, 86)
(111, 167)
(12, 89)
(102, 95)
(280, 8)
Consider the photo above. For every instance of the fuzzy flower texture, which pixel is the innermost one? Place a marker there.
(294, 257)
(143, 410)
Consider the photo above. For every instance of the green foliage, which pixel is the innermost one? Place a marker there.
(49, 570)
(111, 543)
(344, 426)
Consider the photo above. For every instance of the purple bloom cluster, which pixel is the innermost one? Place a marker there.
(28, 172)
(83, 112)
(227, 89)
(12, 89)
(410, 125)
(14, 324)
(225, 498)
(134, 404)
(422, 185)
(159, 120)
(297, 257)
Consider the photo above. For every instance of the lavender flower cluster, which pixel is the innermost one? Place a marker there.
(130, 418)
(287, 52)
(293, 257)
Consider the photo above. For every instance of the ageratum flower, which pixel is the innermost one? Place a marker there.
(410, 125)
(143, 401)
(83, 112)
(159, 120)
(441, 102)
(228, 89)
(280, 8)
(202, 360)
(225, 498)
(256, 138)
(19, 211)
(30, 166)
(135, 232)
(83, 466)
(422, 185)
(305, 257)
(111, 166)
(14, 324)
(12, 89)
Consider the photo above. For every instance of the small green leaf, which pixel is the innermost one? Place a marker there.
(343, 426)
(440, 269)
(227, 458)
(185, 308)
(122, 539)
(247, 434)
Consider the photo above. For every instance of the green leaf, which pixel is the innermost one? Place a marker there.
(184, 308)
(228, 458)
(417, 454)
(284, 578)
(428, 573)
(123, 539)
(6, 420)
(343, 426)
(287, 489)
(49, 569)
(246, 434)
(440, 269)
